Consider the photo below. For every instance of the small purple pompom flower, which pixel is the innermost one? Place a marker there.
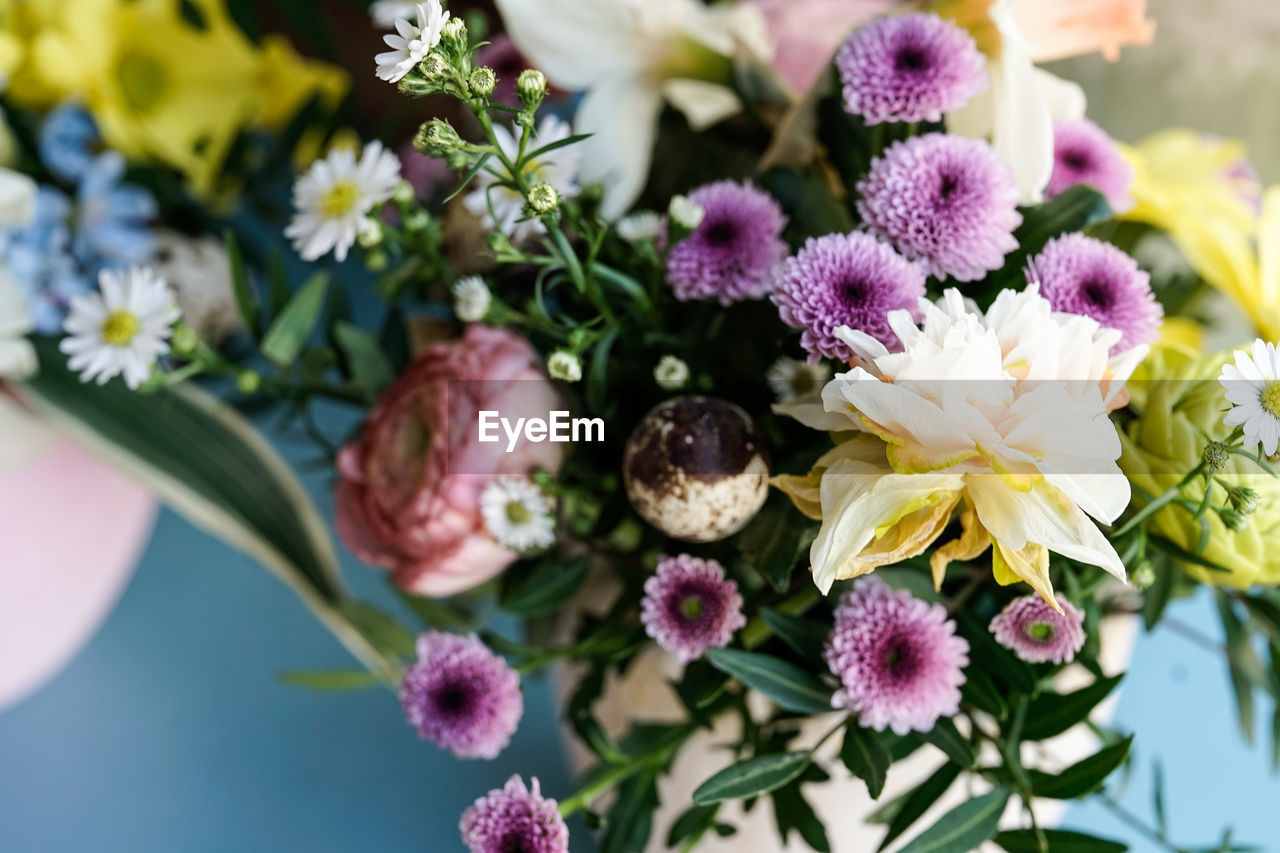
(909, 68)
(689, 606)
(1037, 633)
(515, 819)
(461, 696)
(735, 252)
(898, 658)
(1081, 275)
(944, 200)
(845, 280)
(1084, 154)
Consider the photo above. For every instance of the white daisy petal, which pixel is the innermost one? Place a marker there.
(122, 329)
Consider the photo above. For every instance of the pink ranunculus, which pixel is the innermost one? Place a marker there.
(408, 493)
(808, 32)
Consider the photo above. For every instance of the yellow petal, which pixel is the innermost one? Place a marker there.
(972, 542)
(1030, 564)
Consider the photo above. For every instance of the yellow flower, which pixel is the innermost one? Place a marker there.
(1178, 401)
(161, 86)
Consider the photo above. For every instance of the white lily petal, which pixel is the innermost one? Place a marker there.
(572, 42)
(702, 103)
(621, 113)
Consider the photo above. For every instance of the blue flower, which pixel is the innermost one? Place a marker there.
(39, 257)
(112, 217)
(68, 142)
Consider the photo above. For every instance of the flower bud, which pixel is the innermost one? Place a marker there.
(483, 81)
(434, 67)
(370, 233)
(531, 86)
(1216, 455)
(437, 138)
(1232, 519)
(471, 299)
(455, 29)
(1143, 575)
(543, 199)
(671, 374)
(185, 341)
(404, 193)
(685, 213)
(565, 366)
(1243, 499)
(248, 382)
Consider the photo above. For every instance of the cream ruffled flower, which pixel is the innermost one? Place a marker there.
(122, 329)
(1001, 418)
(332, 198)
(630, 56)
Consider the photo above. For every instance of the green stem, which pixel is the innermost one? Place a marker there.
(1157, 504)
(655, 757)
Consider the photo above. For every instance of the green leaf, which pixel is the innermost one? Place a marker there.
(964, 828)
(246, 299)
(547, 590)
(866, 758)
(368, 364)
(630, 820)
(1052, 714)
(753, 777)
(1156, 598)
(692, 825)
(1074, 210)
(290, 331)
(786, 684)
(772, 543)
(552, 146)
(807, 636)
(811, 208)
(1082, 777)
(381, 628)
(981, 690)
(995, 658)
(1060, 841)
(236, 487)
(792, 811)
(916, 803)
(946, 737)
(1242, 664)
(331, 680)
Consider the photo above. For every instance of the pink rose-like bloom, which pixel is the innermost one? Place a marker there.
(408, 493)
(807, 33)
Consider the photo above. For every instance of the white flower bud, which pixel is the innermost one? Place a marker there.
(565, 366)
(685, 213)
(471, 299)
(671, 374)
(641, 225)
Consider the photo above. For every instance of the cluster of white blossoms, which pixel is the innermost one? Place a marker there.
(416, 35)
(1001, 418)
(517, 515)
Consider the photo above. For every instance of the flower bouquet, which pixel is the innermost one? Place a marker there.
(840, 383)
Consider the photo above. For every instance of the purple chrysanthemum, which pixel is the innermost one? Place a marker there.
(461, 696)
(1084, 154)
(909, 68)
(1037, 633)
(735, 252)
(944, 200)
(898, 658)
(1081, 275)
(845, 280)
(689, 606)
(515, 819)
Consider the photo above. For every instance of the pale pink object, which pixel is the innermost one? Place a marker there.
(74, 529)
(807, 33)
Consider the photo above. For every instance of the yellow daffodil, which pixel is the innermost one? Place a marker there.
(999, 420)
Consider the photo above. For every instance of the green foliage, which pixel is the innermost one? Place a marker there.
(964, 828)
(790, 686)
(752, 777)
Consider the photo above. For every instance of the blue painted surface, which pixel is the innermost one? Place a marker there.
(171, 733)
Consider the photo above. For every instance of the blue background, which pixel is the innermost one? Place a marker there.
(171, 733)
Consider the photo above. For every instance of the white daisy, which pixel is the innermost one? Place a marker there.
(1253, 385)
(789, 379)
(385, 13)
(123, 328)
(671, 373)
(332, 198)
(517, 514)
(559, 168)
(641, 225)
(471, 299)
(411, 42)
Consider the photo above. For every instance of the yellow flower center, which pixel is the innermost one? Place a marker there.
(339, 200)
(143, 81)
(119, 328)
(517, 513)
(1270, 398)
